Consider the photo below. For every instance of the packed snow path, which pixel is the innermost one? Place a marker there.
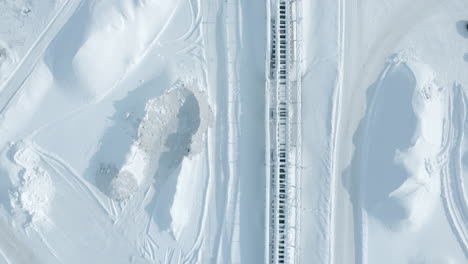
(284, 134)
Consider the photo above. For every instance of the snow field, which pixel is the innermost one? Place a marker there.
(108, 157)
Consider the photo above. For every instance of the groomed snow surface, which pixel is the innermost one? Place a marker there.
(134, 131)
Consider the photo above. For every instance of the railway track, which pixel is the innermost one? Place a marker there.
(283, 134)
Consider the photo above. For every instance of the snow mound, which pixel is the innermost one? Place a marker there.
(172, 128)
(183, 110)
(35, 190)
(406, 132)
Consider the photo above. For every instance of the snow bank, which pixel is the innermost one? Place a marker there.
(405, 139)
(172, 128)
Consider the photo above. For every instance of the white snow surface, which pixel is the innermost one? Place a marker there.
(134, 131)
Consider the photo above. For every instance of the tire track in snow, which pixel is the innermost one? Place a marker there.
(195, 23)
(226, 148)
(209, 200)
(222, 182)
(192, 45)
(55, 163)
(453, 193)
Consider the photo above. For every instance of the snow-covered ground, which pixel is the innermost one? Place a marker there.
(134, 131)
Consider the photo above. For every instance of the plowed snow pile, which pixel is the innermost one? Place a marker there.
(35, 191)
(405, 139)
(407, 166)
(172, 128)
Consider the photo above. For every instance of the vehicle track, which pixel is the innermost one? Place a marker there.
(228, 44)
(453, 193)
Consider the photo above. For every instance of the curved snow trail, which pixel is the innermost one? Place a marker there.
(453, 193)
(195, 23)
(18, 76)
(57, 164)
(193, 43)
